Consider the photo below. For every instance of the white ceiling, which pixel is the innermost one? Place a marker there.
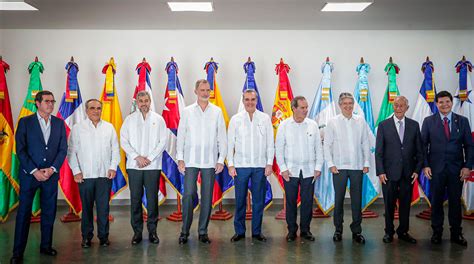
(241, 14)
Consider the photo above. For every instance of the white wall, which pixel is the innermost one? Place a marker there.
(304, 51)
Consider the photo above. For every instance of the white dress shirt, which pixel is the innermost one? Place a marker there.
(346, 143)
(397, 124)
(250, 142)
(298, 147)
(93, 150)
(144, 137)
(45, 127)
(202, 136)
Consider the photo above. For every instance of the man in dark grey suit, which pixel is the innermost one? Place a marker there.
(398, 160)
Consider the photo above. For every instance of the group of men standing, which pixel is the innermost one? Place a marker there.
(443, 149)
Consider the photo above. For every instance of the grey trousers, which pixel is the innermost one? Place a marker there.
(340, 185)
(190, 188)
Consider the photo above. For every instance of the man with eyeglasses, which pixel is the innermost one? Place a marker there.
(41, 147)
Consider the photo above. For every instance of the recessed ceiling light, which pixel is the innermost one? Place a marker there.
(191, 6)
(6, 5)
(345, 6)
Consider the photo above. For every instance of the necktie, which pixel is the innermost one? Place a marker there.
(401, 130)
(446, 127)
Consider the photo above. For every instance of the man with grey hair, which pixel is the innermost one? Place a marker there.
(398, 160)
(201, 147)
(93, 156)
(143, 136)
(347, 153)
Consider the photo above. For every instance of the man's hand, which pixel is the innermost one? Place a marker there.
(317, 174)
(219, 168)
(383, 178)
(465, 173)
(286, 175)
(427, 172)
(365, 170)
(79, 178)
(414, 176)
(334, 170)
(40, 176)
(47, 172)
(142, 161)
(232, 171)
(181, 166)
(268, 170)
(111, 174)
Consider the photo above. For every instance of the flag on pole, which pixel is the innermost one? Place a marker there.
(463, 105)
(224, 182)
(144, 84)
(251, 84)
(425, 106)
(9, 188)
(281, 109)
(111, 113)
(322, 110)
(71, 110)
(371, 187)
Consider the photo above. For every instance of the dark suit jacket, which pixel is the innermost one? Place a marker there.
(440, 153)
(31, 149)
(393, 158)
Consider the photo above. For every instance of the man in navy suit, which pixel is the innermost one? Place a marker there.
(448, 162)
(398, 159)
(41, 147)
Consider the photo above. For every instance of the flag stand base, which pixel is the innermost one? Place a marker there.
(145, 217)
(35, 219)
(111, 218)
(369, 214)
(248, 213)
(395, 215)
(176, 216)
(468, 217)
(221, 214)
(426, 214)
(281, 215)
(70, 217)
(318, 213)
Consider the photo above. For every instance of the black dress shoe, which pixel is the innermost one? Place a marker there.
(204, 239)
(407, 238)
(86, 243)
(291, 237)
(136, 239)
(459, 239)
(387, 238)
(236, 238)
(260, 237)
(105, 242)
(16, 260)
(307, 235)
(337, 236)
(49, 251)
(183, 239)
(436, 239)
(153, 238)
(358, 238)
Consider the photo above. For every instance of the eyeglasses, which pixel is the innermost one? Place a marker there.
(49, 101)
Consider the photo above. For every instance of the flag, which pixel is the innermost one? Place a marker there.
(250, 84)
(112, 114)
(281, 109)
(224, 182)
(371, 187)
(322, 110)
(174, 104)
(386, 110)
(425, 106)
(463, 106)
(144, 84)
(9, 188)
(71, 110)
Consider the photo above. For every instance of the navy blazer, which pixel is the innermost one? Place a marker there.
(393, 158)
(31, 149)
(440, 153)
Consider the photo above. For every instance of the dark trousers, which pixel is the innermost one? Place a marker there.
(150, 180)
(306, 187)
(258, 188)
(95, 191)
(447, 179)
(401, 190)
(340, 185)
(48, 199)
(190, 188)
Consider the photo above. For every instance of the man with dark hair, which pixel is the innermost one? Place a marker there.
(299, 155)
(41, 147)
(448, 163)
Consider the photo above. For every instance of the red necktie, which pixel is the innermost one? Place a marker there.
(446, 127)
